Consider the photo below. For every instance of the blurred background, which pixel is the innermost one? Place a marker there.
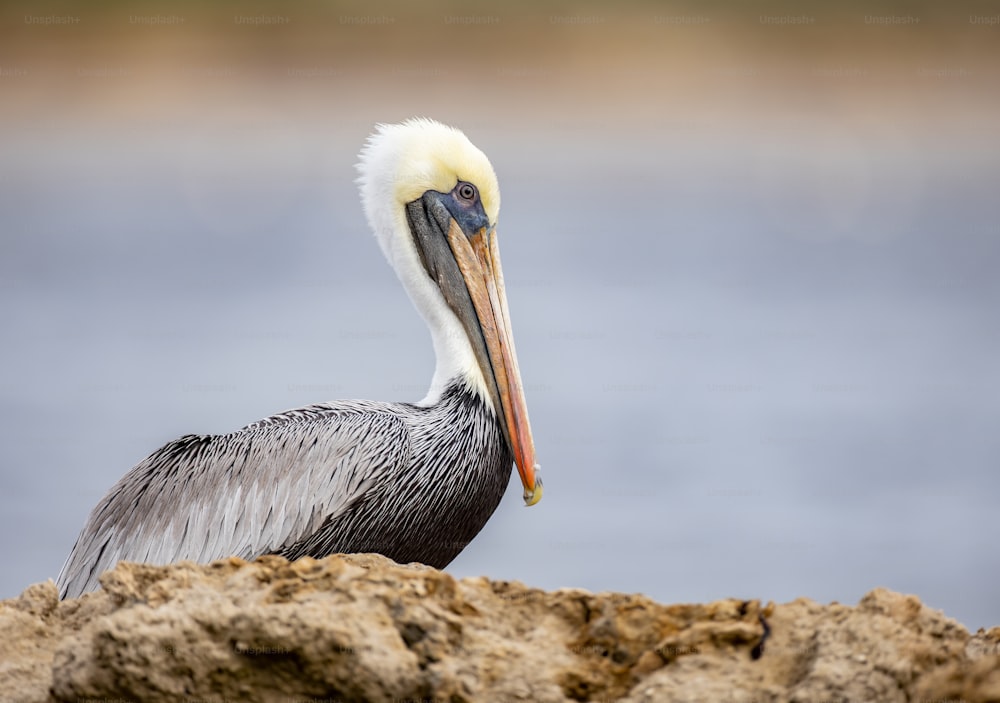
(751, 253)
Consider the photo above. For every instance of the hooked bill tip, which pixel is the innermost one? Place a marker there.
(533, 496)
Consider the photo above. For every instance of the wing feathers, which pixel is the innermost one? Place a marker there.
(247, 493)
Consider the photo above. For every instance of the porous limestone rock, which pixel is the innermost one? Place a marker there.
(362, 628)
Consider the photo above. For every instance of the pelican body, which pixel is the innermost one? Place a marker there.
(412, 481)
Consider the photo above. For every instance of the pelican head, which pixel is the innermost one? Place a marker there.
(432, 200)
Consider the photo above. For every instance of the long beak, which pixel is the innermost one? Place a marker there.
(478, 258)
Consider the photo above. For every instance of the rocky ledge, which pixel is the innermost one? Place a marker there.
(362, 628)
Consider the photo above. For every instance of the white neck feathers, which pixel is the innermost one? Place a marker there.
(398, 164)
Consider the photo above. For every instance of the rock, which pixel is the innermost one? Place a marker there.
(362, 628)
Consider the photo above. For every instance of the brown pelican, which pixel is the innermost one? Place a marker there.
(412, 481)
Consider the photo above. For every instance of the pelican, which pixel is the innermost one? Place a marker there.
(411, 481)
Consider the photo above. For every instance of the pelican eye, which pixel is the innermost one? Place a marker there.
(466, 191)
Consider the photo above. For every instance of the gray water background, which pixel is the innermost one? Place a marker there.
(759, 363)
